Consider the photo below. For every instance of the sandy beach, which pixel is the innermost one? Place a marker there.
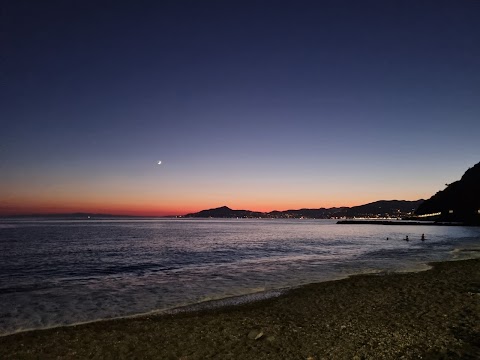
(434, 314)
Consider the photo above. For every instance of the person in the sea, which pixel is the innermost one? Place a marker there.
(423, 237)
(406, 238)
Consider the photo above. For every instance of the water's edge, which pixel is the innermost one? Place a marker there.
(234, 301)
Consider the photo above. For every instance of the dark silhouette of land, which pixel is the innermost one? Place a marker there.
(377, 209)
(458, 202)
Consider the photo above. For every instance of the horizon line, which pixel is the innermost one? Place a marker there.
(88, 213)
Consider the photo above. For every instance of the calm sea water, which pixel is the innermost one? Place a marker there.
(58, 272)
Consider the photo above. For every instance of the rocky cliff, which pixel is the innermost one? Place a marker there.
(459, 201)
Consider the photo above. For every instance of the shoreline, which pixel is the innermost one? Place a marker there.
(433, 313)
(399, 222)
(206, 305)
(231, 301)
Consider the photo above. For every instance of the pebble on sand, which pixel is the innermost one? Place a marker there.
(255, 334)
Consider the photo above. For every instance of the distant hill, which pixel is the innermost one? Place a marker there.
(321, 213)
(225, 212)
(382, 208)
(388, 207)
(459, 201)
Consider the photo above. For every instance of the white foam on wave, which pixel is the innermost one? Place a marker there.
(205, 304)
(468, 251)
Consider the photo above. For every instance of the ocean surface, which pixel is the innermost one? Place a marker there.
(61, 272)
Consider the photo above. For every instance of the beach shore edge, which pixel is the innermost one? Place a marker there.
(430, 314)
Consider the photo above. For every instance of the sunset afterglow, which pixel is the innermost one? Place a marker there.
(307, 106)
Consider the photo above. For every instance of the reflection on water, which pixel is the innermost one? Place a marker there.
(56, 272)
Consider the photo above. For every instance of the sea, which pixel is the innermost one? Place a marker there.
(56, 272)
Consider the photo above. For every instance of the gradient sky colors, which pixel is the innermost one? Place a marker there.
(252, 104)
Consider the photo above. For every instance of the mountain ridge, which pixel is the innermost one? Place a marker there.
(380, 208)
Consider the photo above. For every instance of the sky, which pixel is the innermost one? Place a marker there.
(259, 105)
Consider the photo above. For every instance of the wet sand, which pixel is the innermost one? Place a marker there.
(433, 314)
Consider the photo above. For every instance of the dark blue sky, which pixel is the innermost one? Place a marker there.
(269, 103)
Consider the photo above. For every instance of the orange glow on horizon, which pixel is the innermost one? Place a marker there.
(146, 201)
(58, 207)
(148, 209)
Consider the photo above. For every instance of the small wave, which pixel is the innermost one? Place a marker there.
(468, 252)
(25, 288)
(219, 302)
